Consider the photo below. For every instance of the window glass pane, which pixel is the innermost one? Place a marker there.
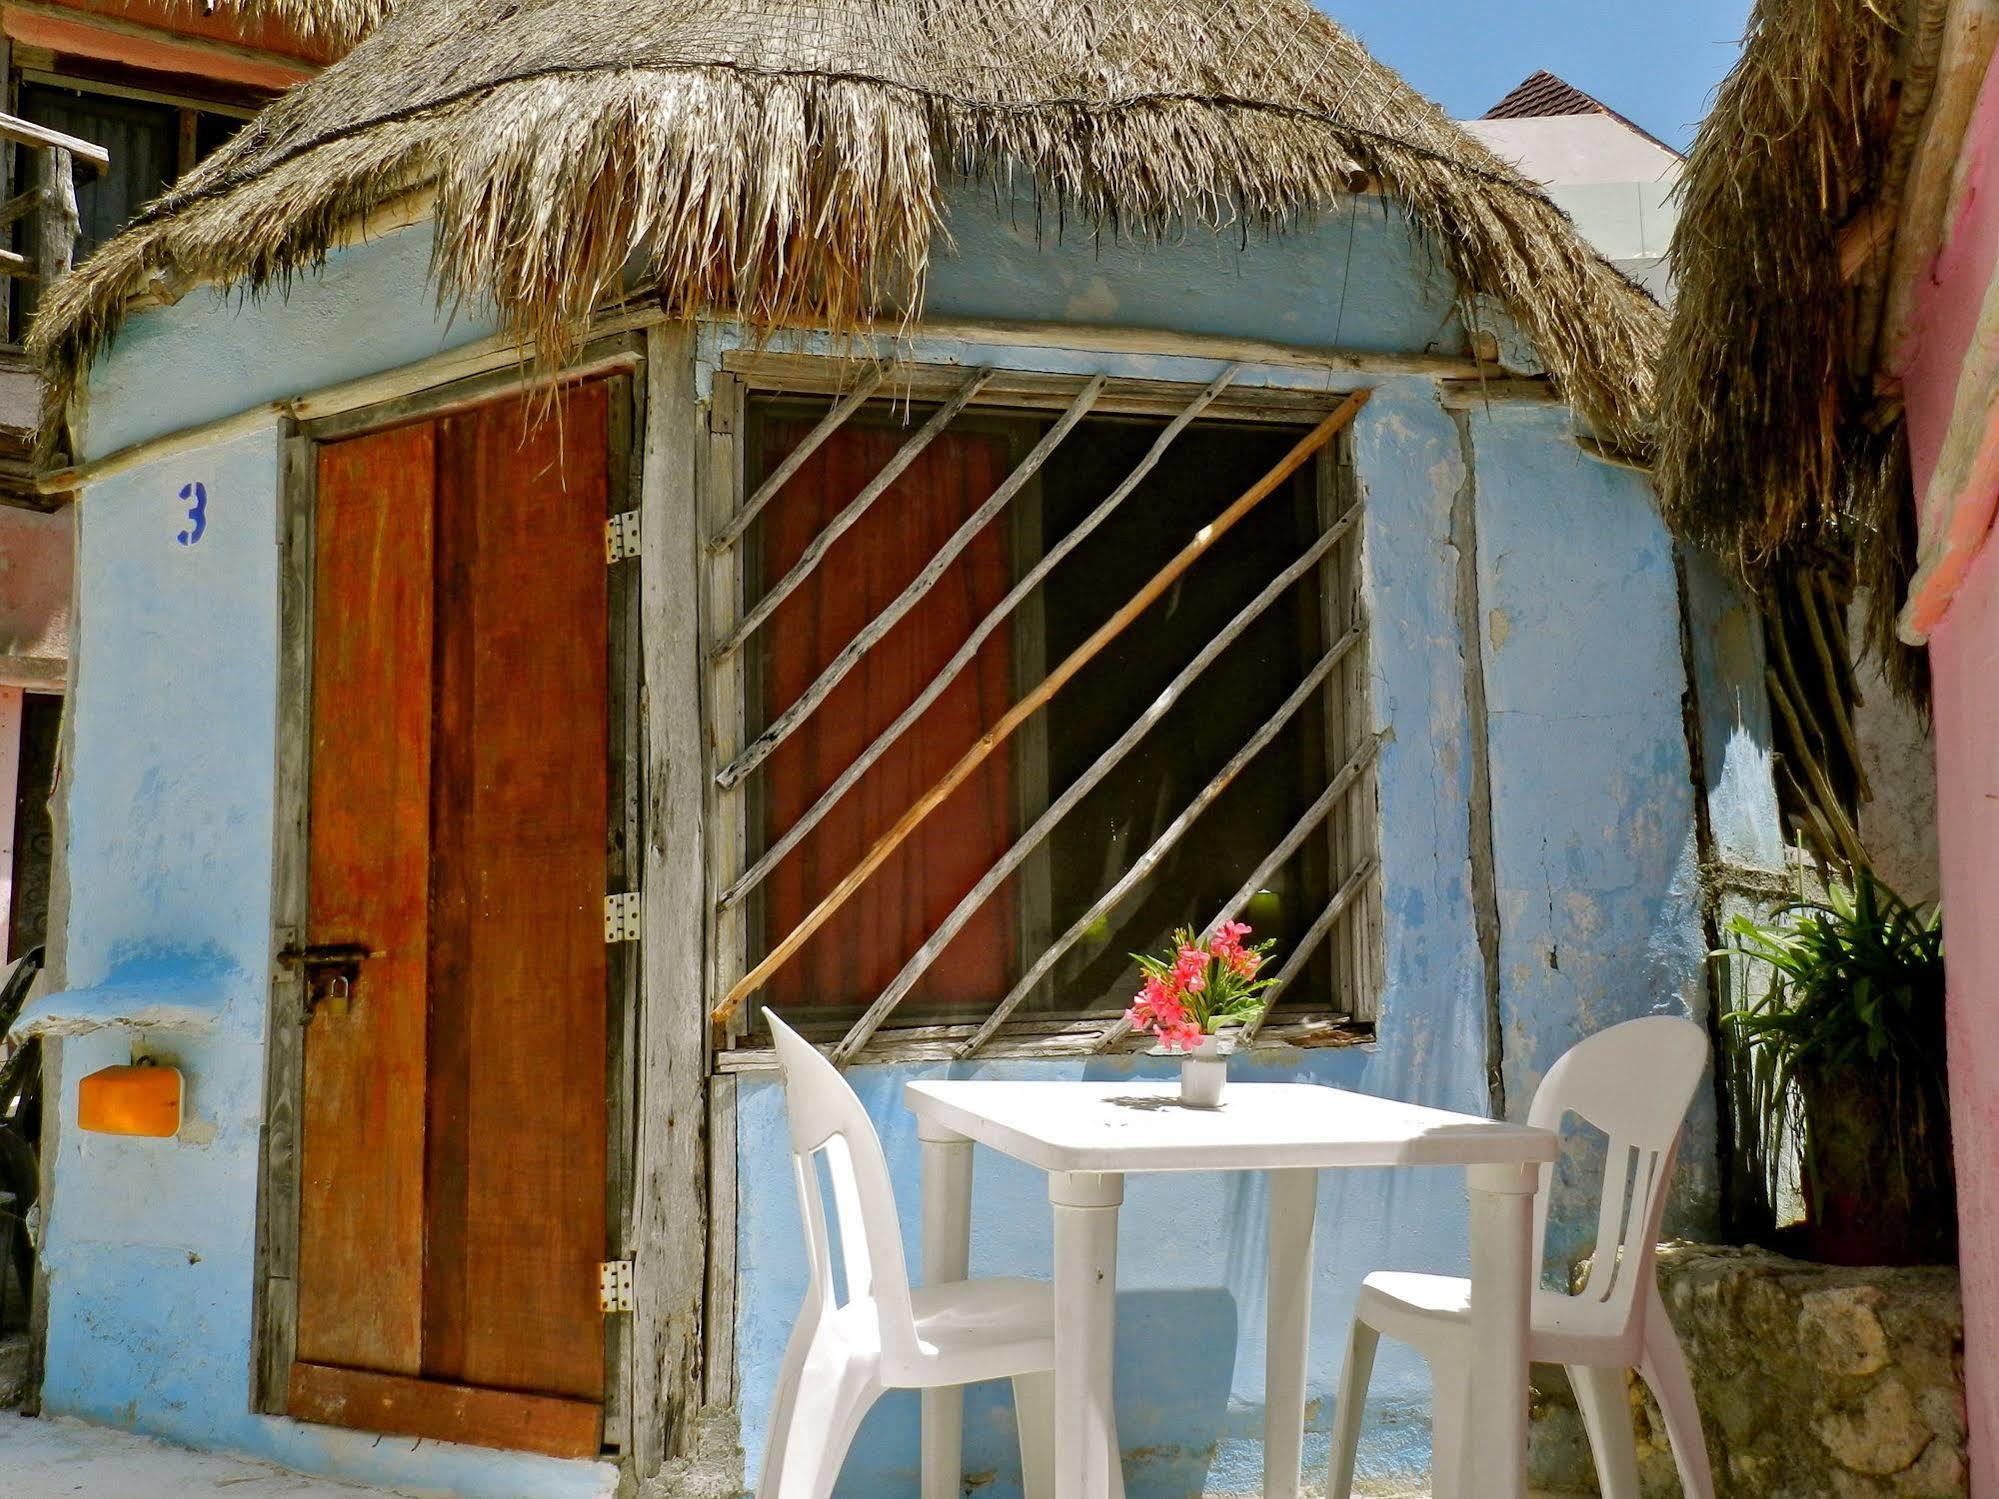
(143, 140)
(212, 132)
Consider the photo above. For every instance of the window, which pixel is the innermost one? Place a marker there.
(904, 587)
(152, 140)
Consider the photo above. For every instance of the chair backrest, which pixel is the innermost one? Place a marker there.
(1635, 1083)
(827, 1120)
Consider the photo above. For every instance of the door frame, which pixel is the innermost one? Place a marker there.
(618, 358)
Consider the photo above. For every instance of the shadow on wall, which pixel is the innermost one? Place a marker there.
(1176, 1355)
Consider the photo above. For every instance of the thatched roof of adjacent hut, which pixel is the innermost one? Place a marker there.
(783, 161)
(1779, 427)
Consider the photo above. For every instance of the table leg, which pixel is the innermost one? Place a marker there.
(1502, 1226)
(1294, 1196)
(947, 1254)
(1085, 1206)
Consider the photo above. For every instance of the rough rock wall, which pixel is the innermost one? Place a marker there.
(1814, 1382)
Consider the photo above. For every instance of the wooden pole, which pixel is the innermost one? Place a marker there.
(839, 525)
(1146, 862)
(809, 819)
(59, 223)
(1155, 712)
(918, 588)
(997, 735)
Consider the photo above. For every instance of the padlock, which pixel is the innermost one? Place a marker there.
(337, 1001)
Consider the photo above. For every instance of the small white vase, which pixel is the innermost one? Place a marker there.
(1204, 1071)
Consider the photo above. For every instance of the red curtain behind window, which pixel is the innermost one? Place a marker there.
(853, 957)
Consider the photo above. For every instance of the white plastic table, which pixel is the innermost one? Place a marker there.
(1088, 1135)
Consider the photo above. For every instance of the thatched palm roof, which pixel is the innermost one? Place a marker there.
(783, 160)
(1766, 377)
(1780, 424)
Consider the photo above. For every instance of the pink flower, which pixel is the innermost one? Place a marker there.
(1190, 970)
(1158, 1008)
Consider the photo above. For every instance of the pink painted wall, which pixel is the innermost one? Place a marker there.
(1964, 660)
(35, 552)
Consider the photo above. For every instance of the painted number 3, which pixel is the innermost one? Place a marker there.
(197, 513)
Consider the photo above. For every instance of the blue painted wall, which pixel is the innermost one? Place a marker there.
(1594, 852)
(150, 1243)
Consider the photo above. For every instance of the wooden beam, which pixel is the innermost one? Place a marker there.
(1146, 862)
(1315, 935)
(870, 634)
(670, 1174)
(1033, 1037)
(1286, 847)
(1003, 868)
(830, 423)
(965, 654)
(28, 133)
(1934, 185)
(815, 552)
(116, 39)
(1099, 338)
(997, 735)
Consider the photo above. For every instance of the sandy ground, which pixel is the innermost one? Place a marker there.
(58, 1459)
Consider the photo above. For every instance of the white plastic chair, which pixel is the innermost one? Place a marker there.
(1634, 1082)
(885, 1336)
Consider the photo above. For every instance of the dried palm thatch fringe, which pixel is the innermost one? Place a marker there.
(783, 161)
(341, 21)
(1774, 446)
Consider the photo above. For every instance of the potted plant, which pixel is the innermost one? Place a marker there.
(1196, 998)
(1852, 1031)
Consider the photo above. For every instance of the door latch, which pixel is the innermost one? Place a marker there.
(331, 970)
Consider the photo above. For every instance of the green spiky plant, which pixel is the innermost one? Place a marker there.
(1851, 1031)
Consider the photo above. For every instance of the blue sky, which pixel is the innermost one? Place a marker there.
(1653, 61)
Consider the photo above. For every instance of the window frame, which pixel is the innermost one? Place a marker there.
(1347, 839)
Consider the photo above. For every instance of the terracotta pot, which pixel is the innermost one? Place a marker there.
(1878, 1181)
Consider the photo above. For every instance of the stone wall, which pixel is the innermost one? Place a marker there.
(1814, 1382)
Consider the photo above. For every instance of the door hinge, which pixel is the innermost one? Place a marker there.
(614, 1285)
(621, 537)
(621, 917)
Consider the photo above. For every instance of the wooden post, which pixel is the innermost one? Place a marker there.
(59, 222)
(670, 1175)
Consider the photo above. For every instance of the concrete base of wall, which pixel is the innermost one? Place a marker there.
(1814, 1382)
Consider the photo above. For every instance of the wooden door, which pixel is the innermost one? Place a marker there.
(453, 1130)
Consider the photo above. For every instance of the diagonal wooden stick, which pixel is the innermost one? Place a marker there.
(917, 590)
(810, 817)
(1053, 683)
(815, 552)
(830, 423)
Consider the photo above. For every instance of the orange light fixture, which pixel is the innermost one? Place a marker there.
(138, 1100)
